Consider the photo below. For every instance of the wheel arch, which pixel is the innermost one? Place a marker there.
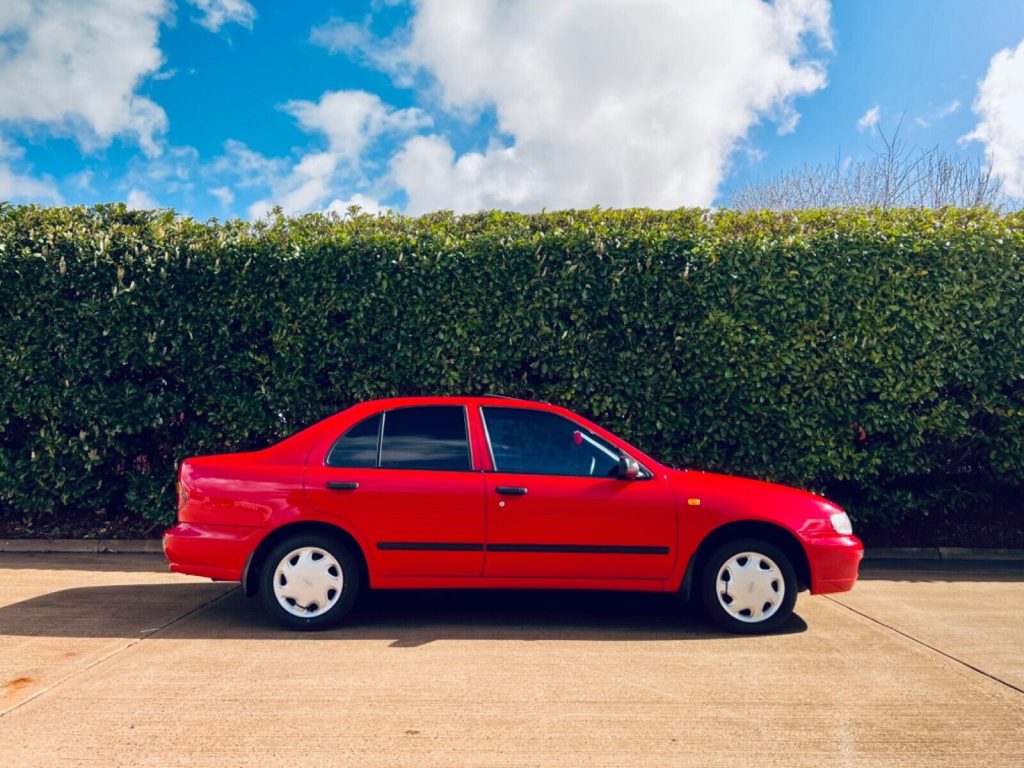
(781, 537)
(254, 564)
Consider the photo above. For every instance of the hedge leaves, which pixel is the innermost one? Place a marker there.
(875, 356)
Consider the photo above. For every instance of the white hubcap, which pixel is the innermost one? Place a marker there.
(308, 582)
(750, 587)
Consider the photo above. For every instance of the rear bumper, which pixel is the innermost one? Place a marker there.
(835, 561)
(214, 551)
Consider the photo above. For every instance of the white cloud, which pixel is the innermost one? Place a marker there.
(1000, 107)
(172, 174)
(350, 121)
(174, 168)
(357, 42)
(433, 177)
(303, 189)
(939, 113)
(82, 180)
(622, 104)
(340, 36)
(75, 67)
(869, 119)
(948, 109)
(224, 195)
(259, 210)
(139, 200)
(217, 13)
(18, 186)
(246, 167)
(8, 150)
(366, 204)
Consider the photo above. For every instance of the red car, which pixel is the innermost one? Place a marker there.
(489, 492)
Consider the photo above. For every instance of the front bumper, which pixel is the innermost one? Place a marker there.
(214, 551)
(835, 561)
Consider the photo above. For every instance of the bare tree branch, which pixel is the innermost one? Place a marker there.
(897, 176)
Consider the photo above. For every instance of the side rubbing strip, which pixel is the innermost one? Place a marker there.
(565, 549)
(429, 546)
(588, 549)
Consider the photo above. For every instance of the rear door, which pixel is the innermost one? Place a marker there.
(404, 480)
(556, 507)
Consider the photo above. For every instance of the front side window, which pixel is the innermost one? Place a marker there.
(425, 437)
(540, 443)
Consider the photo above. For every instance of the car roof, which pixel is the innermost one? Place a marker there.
(453, 399)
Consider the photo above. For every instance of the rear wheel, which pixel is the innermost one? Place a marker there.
(749, 586)
(309, 581)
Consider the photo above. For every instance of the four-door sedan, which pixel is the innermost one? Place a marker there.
(489, 492)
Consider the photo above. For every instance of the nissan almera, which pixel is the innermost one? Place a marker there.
(488, 492)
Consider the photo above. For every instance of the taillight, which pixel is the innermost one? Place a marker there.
(180, 488)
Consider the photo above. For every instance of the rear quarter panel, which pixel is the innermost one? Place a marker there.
(245, 489)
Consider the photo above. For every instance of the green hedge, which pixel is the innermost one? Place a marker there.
(877, 356)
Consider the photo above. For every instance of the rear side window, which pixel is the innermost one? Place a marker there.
(358, 446)
(426, 437)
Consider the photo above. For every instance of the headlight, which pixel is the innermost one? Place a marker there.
(841, 522)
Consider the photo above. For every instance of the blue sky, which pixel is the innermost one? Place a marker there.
(228, 107)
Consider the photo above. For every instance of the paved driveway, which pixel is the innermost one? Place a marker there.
(108, 660)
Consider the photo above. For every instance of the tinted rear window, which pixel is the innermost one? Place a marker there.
(426, 437)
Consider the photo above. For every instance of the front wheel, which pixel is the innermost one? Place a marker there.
(309, 581)
(749, 586)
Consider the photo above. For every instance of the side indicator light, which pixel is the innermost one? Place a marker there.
(693, 502)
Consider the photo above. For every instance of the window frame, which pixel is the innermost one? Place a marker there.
(383, 414)
(645, 473)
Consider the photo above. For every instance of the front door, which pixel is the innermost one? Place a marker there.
(556, 507)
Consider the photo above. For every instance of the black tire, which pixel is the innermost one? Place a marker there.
(344, 597)
(779, 593)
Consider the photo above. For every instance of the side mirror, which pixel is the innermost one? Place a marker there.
(629, 468)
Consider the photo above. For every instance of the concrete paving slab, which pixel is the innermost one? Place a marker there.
(974, 611)
(503, 679)
(52, 625)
